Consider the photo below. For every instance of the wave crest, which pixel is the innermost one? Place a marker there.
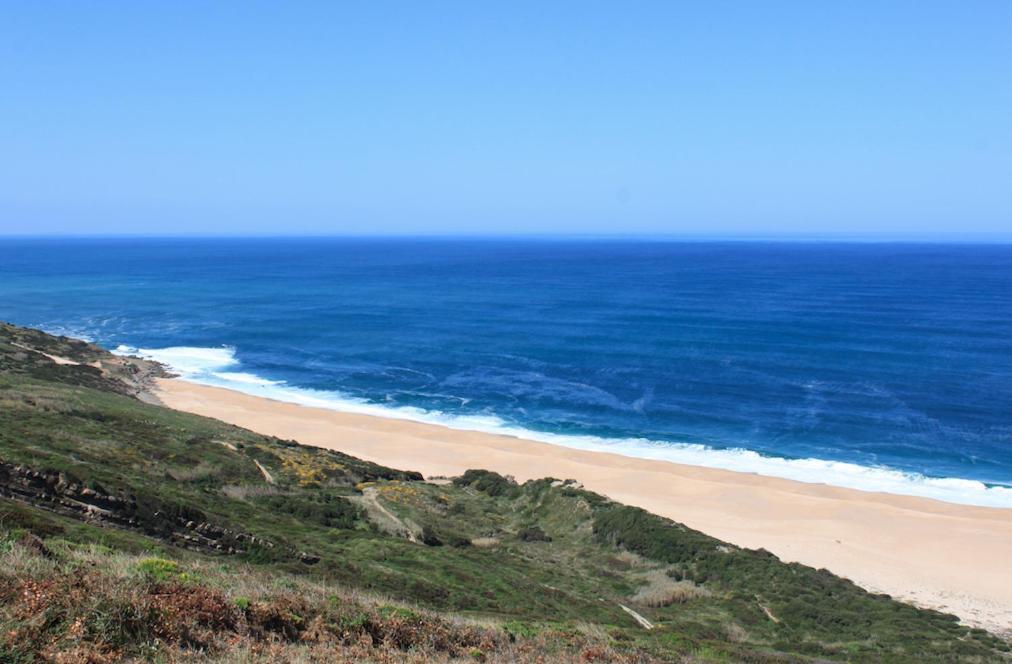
(187, 361)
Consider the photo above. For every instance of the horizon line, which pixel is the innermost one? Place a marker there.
(786, 237)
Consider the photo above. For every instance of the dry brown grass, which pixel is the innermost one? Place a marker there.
(244, 491)
(202, 470)
(735, 633)
(89, 604)
(661, 590)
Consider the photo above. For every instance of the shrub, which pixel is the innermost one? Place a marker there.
(533, 534)
(387, 611)
(519, 630)
(488, 482)
(158, 569)
(323, 509)
(429, 537)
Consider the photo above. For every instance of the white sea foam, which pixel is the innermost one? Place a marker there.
(187, 361)
(205, 366)
(245, 378)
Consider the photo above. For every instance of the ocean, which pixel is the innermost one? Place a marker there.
(877, 366)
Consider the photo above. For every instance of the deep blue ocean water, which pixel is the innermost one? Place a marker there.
(878, 366)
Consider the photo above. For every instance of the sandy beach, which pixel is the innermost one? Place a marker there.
(955, 558)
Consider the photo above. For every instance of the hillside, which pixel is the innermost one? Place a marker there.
(129, 530)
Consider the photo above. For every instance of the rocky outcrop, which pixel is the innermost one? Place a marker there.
(73, 362)
(64, 494)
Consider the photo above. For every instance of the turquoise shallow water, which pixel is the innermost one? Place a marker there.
(879, 366)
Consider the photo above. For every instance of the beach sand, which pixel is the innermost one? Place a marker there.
(955, 558)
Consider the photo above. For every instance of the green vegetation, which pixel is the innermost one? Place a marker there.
(323, 509)
(158, 569)
(128, 530)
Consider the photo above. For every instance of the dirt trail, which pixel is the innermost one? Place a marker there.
(383, 517)
(644, 623)
(54, 358)
(769, 614)
(266, 473)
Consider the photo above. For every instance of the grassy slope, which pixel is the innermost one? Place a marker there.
(542, 558)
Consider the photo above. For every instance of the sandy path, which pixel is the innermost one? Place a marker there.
(54, 358)
(954, 557)
(263, 471)
(384, 518)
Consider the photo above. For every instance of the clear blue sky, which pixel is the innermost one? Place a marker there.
(473, 117)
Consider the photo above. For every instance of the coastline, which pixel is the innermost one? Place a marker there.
(931, 553)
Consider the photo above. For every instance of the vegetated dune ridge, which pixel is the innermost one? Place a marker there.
(935, 554)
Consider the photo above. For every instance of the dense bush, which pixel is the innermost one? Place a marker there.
(487, 482)
(322, 509)
(649, 535)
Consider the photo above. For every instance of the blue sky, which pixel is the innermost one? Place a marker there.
(583, 117)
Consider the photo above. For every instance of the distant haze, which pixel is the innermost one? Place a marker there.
(865, 118)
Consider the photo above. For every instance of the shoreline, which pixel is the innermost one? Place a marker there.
(218, 367)
(935, 554)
